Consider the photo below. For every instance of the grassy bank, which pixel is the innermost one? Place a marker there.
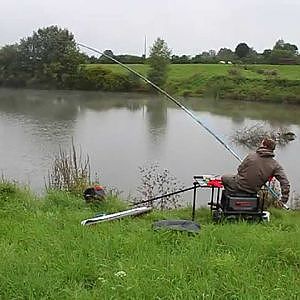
(276, 83)
(46, 254)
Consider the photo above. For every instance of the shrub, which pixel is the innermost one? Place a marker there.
(155, 182)
(260, 71)
(235, 72)
(271, 72)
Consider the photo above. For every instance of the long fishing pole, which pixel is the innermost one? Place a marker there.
(193, 116)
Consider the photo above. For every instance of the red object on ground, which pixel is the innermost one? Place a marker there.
(215, 183)
(98, 187)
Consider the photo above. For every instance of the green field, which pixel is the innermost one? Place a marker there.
(46, 254)
(182, 71)
(275, 83)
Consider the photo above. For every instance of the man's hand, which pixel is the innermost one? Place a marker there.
(281, 204)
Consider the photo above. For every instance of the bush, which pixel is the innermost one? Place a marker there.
(270, 72)
(116, 82)
(260, 71)
(236, 72)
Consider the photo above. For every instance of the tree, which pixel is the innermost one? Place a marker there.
(242, 50)
(225, 54)
(8, 57)
(104, 59)
(283, 53)
(207, 57)
(159, 60)
(10, 73)
(281, 45)
(267, 55)
(282, 57)
(49, 54)
(196, 59)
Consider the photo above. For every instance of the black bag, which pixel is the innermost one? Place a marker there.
(93, 194)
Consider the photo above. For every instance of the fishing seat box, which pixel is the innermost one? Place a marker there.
(240, 203)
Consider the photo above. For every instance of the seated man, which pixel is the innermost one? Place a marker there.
(255, 170)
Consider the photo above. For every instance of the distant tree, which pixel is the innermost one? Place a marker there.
(242, 50)
(225, 54)
(196, 59)
(104, 59)
(281, 45)
(92, 59)
(130, 59)
(184, 59)
(10, 72)
(283, 53)
(253, 57)
(208, 57)
(159, 60)
(282, 57)
(212, 53)
(109, 53)
(175, 59)
(266, 55)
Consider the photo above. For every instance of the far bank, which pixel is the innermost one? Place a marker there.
(270, 83)
(259, 83)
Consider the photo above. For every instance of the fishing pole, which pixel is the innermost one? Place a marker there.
(165, 195)
(193, 116)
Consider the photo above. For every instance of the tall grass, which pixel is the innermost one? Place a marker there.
(46, 254)
(70, 171)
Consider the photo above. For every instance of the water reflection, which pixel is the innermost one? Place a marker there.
(273, 113)
(156, 117)
(122, 131)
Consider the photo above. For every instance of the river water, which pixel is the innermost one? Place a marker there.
(121, 132)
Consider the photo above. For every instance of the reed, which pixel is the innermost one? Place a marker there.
(70, 171)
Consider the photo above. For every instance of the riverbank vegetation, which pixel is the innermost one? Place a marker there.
(242, 82)
(46, 253)
(51, 59)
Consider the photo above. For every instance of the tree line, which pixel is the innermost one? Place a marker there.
(281, 53)
(50, 58)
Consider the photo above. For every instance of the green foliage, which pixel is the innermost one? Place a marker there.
(50, 45)
(235, 71)
(242, 50)
(280, 56)
(226, 54)
(45, 59)
(10, 72)
(159, 60)
(253, 82)
(100, 78)
(281, 45)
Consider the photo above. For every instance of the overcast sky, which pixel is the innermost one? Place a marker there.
(188, 26)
